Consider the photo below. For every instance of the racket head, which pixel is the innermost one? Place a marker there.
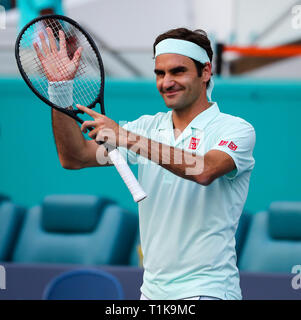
(88, 87)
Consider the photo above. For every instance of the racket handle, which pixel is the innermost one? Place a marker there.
(127, 175)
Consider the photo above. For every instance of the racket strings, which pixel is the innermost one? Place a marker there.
(87, 80)
(71, 48)
(72, 33)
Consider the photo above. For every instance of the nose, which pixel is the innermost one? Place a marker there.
(167, 82)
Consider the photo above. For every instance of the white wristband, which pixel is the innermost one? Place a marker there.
(61, 93)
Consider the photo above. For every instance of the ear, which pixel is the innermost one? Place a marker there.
(207, 71)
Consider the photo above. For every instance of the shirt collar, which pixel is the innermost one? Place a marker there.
(202, 119)
(199, 122)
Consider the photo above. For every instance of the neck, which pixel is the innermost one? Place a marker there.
(182, 117)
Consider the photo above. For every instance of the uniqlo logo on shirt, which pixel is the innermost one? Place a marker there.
(223, 143)
(232, 146)
(193, 143)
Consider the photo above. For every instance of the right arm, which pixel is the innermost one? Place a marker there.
(74, 151)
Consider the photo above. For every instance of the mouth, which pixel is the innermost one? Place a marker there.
(171, 94)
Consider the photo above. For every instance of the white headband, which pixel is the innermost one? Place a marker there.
(185, 48)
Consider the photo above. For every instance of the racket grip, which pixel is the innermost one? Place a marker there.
(127, 175)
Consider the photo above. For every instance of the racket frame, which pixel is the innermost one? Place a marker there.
(72, 113)
(121, 165)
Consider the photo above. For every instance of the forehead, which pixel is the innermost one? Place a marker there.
(172, 60)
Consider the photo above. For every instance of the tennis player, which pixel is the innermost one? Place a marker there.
(194, 163)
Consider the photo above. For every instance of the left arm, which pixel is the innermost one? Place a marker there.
(200, 169)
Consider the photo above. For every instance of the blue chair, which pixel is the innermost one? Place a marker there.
(11, 219)
(79, 229)
(3, 197)
(84, 284)
(242, 232)
(134, 257)
(273, 242)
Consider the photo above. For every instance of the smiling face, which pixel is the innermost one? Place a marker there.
(178, 81)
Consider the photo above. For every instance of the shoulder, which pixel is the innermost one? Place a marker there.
(228, 119)
(226, 123)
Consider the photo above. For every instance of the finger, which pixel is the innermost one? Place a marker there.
(77, 56)
(38, 51)
(89, 111)
(52, 41)
(87, 124)
(44, 44)
(99, 137)
(92, 134)
(62, 41)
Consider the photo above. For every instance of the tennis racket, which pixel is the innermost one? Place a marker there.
(75, 75)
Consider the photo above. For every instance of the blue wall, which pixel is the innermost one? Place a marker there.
(29, 167)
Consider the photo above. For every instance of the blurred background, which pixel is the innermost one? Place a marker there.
(257, 74)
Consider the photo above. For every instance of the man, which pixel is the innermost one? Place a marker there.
(196, 169)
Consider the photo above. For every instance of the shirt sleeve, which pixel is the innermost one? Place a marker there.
(239, 144)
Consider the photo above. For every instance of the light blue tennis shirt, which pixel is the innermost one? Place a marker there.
(187, 230)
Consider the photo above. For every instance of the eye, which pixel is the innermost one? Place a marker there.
(159, 73)
(178, 71)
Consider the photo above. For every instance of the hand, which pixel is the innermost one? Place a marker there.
(105, 129)
(56, 64)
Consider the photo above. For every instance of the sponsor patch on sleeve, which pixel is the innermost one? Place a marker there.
(223, 143)
(232, 146)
